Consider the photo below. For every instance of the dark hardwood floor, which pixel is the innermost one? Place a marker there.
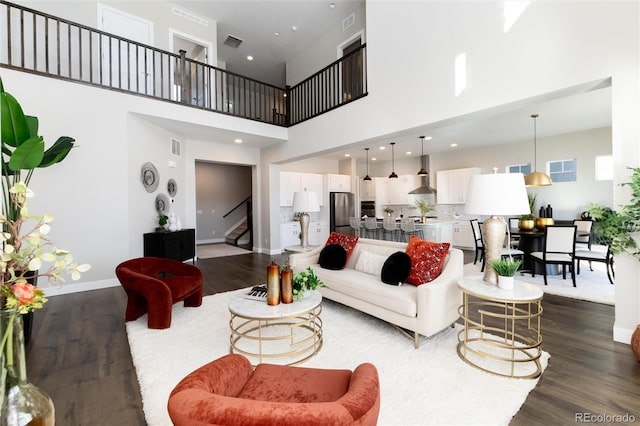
(79, 355)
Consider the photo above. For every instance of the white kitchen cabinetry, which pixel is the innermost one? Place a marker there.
(441, 232)
(452, 185)
(368, 190)
(289, 234)
(291, 182)
(395, 191)
(318, 233)
(462, 234)
(339, 183)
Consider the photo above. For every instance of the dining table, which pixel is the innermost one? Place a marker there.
(532, 240)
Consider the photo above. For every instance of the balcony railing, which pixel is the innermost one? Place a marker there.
(46, 45)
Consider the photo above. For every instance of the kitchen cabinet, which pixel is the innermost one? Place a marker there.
(290, 233)
(318, 233)
(441, 232)
(368, 190)
(291, 182)
(395, 191)
(452, 185)
(339, 183)
(463, 234)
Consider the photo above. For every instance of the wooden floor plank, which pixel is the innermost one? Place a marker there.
(79, 354)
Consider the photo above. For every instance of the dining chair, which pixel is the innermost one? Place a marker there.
(371, 227)
(584, 234)
(597, 255)
(514, 240)
(389, 227)
(355, 224)
(408, 228)
(477, 239)
(559, 249)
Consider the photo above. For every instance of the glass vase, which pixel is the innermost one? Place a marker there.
(22, 402)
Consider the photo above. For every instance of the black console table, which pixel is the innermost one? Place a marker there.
(178, 245)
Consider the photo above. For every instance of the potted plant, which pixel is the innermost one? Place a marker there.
(163, 220)
(528, 221)
(388, 211)
(506, 270)
(303, 281)
(424, 208)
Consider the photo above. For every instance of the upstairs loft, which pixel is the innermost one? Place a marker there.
(46, 45)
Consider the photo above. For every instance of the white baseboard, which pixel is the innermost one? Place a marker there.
(68, 288)
(622, 335)
(210, 241)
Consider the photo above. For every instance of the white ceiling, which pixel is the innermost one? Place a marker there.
(569, 110)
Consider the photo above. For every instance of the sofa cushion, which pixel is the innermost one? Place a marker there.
(396, 268)
(333, 256)
(348, 242)
(427, 259)
(370, 263)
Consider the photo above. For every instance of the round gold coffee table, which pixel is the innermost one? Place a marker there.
(289, 333)
(501, 332)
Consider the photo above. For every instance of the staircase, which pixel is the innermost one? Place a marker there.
(234, 236)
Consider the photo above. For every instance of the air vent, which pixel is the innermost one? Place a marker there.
(348, 21)
(175, 147)
(232, 41)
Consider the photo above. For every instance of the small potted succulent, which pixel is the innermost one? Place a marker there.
(303, 281)
(388, 211)
(506, 270)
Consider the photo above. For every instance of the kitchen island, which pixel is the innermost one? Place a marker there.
(438, 230)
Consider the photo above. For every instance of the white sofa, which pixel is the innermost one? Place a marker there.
(423, 310)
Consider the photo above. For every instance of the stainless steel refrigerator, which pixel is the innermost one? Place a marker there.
(341, 208)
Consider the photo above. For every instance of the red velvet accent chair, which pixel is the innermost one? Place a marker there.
(228, 391)
(154, 284)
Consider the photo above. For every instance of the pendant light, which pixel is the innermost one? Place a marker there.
(393, 174)
(536, 178)
(367, 178)
(423, 171)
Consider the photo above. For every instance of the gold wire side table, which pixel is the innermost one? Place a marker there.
(286, 333)
(501, 333)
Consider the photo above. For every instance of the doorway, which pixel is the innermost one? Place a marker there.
(194, 85)
(352, 79)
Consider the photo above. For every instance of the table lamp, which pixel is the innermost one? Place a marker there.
(305, 202)
(496, 195)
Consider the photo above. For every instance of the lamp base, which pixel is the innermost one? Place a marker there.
(304, 230)
(493, 232)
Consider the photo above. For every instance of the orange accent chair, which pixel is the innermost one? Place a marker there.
(228, 391)
(154, 284)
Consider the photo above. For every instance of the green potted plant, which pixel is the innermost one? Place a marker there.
(388, 211)
(528, 221)
(506, 270)
(424, 208)
(163, 220)
(305, 280)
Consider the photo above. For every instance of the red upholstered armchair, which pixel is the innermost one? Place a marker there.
(154, 284)
(228, 391)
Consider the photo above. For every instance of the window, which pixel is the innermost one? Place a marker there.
(525, 169)
(562, 170)
(604, 167)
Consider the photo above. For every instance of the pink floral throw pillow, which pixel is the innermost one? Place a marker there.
(427, 260)
(348, 242)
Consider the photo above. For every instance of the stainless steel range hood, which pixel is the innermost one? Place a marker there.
(425, 187)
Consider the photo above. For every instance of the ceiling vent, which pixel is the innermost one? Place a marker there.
(348, 21)
(232, 41)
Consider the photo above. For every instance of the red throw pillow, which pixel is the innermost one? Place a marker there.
(348, 242)
(427, 260)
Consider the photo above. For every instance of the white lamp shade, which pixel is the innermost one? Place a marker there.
(305, 202)
(497, 194)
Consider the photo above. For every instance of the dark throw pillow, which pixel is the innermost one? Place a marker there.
(396, 268)
(333, 256)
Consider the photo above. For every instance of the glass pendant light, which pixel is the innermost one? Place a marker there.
(536, 178)
(367, 178)
(393, 174)
(423, 171)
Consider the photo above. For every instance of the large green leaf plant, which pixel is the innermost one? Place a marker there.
(23, 150)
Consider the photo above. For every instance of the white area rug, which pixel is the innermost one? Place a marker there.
(207, 251)
(592, 286)
(426, 386)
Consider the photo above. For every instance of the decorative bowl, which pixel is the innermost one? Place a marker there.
(542, 222)
(526, 225)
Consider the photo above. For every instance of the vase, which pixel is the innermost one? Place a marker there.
(635, 342)
(287, 286)
(22, 402)
(505, 283)
(273, 284)
(526, 224)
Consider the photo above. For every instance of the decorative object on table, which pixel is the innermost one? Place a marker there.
(23, 254)
(545, 217)
(303, 281)
(162, 204)
(286, 294)
(149, 176)
(258, 292)
(305, 202)
(163, 220)
(273, 284)
(506, 270)
(635, 342)
(172, 223)
(424, 208)
(528, 221)
(536, 178)
(496, 195)
(388, 211)
(172, 188)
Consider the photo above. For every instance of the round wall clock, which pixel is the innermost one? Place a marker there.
(149, 176)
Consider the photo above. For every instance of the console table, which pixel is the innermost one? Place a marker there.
(178, 245)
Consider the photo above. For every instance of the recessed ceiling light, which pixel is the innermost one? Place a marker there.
(347, 155)
(453, 145)
(238, 141)
(332, 5)
(382, 148)
(427, 138)
(276, 33)
(374, 159)
(249, 58)
(294, 28)
(408, 152)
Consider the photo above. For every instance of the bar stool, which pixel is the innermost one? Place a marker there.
(354, 223)
(408, 228)
(389, 227)
(371, 226)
